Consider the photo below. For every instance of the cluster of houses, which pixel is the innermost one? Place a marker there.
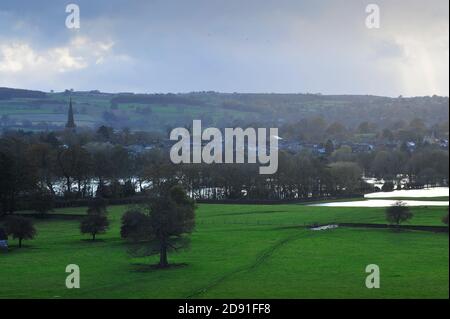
(433, 140)
(320, 149)
(295, 147)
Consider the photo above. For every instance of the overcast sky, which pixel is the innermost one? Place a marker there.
(229, 46)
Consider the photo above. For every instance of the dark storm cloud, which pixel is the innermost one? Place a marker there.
(246, 46)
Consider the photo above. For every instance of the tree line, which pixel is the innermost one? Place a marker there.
(161, 224)
(36, 167)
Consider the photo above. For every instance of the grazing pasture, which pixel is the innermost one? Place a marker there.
(238, 251)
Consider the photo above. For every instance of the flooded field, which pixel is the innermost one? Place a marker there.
(385, 199)
(382, 203)
(412, 193)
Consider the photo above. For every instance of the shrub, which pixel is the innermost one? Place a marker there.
(388, 187)
(445, 219)
(398, 213)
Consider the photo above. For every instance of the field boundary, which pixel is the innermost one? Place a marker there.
(47, 216)
(435, 229)
(429, 228)
(278, 201)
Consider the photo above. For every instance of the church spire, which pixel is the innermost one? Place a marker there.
(70, 121)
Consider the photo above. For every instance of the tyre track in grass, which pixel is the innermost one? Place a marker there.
(260, 259)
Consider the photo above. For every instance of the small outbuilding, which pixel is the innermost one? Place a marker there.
(3, 240)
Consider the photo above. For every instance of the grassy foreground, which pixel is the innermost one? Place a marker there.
(238, 251)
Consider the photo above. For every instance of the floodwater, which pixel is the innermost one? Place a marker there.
(381, 203)
(374, 199)
(326, 227)
(411, 193)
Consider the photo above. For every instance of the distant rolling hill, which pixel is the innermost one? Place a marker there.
(160, 112)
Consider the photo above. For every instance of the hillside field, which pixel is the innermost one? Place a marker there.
(34, 110)
(238, 251)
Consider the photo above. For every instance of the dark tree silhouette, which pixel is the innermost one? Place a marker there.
(96, 222)
(17, 176)
(97, 206)
(20, 228)
(388, 187)
(445, 219)
(42, 202)
(162, 225)
(134, 225)
(398, 213)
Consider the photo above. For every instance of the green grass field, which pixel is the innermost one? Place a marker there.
(89, 110)
(238, 251)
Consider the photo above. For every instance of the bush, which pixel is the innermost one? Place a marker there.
(388, 187)
(445, 219)
(398, 213)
